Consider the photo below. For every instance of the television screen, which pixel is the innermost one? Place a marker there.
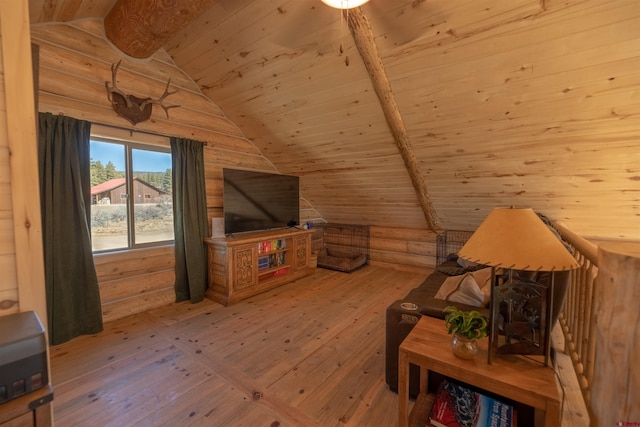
(259, 201)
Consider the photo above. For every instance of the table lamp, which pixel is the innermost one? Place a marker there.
(518, 241)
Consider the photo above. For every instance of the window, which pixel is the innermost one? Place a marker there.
(131, 194)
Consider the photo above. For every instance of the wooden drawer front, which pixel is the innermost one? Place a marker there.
(302, 252)
(244, 273)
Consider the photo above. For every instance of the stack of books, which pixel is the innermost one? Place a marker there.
(271, 245)
(458, 406)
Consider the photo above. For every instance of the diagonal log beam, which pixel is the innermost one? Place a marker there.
(140, 27)
(363, 37)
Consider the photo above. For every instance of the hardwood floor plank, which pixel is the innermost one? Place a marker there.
(87, 353)
(237, 379)
(310, 353)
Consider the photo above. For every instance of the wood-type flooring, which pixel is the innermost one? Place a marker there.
(310, 353)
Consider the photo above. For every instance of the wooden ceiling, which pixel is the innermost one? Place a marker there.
(505, 102)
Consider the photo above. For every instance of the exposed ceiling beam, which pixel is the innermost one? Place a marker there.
(140, 27)
(363, 37)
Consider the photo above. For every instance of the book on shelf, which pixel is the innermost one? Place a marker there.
(271, 245)
(459, 406)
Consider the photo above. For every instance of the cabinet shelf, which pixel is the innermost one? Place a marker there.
(265, 271)
(277, 251)
(242, 266)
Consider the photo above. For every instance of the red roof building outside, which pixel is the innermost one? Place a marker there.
(114, 191)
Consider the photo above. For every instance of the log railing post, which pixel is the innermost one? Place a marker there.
(576, 318)
(617, 326)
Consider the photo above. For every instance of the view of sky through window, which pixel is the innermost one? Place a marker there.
(146, 161)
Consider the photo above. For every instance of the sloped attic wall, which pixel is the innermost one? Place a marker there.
(509, 102)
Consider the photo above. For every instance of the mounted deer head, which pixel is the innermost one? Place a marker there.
(130, 107)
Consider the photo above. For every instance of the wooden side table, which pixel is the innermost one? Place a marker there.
(32, 409)
(517, 378)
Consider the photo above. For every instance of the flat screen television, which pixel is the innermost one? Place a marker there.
(255, 201)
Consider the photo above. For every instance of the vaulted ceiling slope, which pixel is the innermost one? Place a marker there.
(505, 102)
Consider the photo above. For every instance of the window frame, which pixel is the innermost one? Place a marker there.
(131, 140)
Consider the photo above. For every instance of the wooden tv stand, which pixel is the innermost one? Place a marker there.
(250, 263)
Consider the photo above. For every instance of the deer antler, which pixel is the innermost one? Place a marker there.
(160, 100)
(131, 107)
(114, 86)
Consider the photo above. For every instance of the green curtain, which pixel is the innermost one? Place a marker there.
(73, 297)
(189, 219)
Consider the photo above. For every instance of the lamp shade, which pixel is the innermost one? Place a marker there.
(516, 238)
(344, 4)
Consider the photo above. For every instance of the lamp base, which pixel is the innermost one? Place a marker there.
(520, 317)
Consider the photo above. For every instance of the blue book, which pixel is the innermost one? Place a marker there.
(458, 406)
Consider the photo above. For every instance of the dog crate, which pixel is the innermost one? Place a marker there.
(347, 238)
(345, 247)
(450, 242)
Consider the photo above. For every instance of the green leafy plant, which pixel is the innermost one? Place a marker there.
(470, 324)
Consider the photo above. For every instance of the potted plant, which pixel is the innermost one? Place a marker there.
(466, 327)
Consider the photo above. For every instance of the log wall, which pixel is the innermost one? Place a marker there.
(21, 261)
(75, 62)
(406, 249)
(135, 281)
(403, 248)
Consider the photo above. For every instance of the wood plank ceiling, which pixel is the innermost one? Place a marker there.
(505, 102)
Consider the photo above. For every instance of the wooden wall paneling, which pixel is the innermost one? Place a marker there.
(105, 115)
(135, 281)
(214, 30)
(21, 142)
(67, 10)
(95, 72)
(404, 248)
(408, 249)
(233, 143)
(546, 94)
(308, 213)
(231, 159)
(120, 265)
(126, 307)
(115, 290)
(400, 261)
(93, 92)
(86, 39)
(67, 52)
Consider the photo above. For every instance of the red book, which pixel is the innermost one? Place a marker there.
(458, 406)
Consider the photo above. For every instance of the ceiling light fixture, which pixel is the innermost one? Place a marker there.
(344, 4)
